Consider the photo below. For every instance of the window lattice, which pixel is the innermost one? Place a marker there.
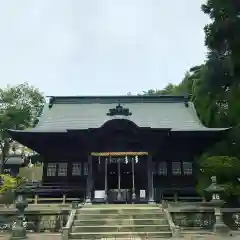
(76, 169)
(162, 169)
(62, 169)
(176, 168)
(187, 168)
(51, 169)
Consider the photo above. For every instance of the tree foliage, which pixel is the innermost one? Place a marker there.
(8, 182)
(168, 90)
(20, 107)
(214, 87)
(7, 188)
(225, 168)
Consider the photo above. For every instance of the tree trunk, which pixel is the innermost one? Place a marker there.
(3, 158)
(4, 149)
(2, 162)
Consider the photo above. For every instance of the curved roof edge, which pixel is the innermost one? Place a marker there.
(34, 130)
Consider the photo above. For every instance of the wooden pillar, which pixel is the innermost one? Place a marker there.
(106, 180)
(133, 180)
(89, 181)
(119, 180)
(150, 179)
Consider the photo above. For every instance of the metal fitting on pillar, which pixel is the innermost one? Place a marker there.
(133, 196)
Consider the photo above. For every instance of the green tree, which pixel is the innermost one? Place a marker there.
(168, 90)
(223, 63)
(215, 90)
(223, 33)
(20, 108)
(225, 168)
(217, 93)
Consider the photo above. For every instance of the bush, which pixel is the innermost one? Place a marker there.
(8, 187)
(8, 197)
(225, 168)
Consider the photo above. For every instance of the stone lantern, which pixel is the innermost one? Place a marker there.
(215, 190)
(19, 228)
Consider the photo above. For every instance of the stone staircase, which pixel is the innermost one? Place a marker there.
(120, 221)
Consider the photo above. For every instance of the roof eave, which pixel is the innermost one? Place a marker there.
(34, 130)
(201, 130)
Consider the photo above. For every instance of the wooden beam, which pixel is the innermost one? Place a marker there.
(117, 154)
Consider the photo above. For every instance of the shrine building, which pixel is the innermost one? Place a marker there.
(119, 148)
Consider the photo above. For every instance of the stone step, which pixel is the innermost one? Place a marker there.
(122, 210)
(126, 206)
(118, 205)
(84, 216)
(121, 235)
(120, 221)
(109, 221)
(196, 233)
(121, 228)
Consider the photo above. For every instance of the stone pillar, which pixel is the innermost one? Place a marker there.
(150, 179)
(133, 180)
(89, 181)
(35, 199)
(18, 230)
(119, 180)
(219, 228)
(38, 223)
(175, 197)
(106, 179)
(64, 199)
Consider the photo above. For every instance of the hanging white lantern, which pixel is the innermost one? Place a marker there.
(136, 159)
(126, 160)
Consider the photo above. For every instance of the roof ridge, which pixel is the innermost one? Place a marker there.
(116, 99)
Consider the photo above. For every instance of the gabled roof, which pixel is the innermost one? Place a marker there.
(66, 113)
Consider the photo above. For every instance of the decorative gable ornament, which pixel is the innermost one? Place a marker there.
(119, 111)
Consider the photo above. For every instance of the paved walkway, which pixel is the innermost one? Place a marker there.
(36, 236)
(47, 236)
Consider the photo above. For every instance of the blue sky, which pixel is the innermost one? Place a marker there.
(99, 47)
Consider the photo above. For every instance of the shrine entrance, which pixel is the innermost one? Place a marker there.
(125, 176)
(119, 177)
